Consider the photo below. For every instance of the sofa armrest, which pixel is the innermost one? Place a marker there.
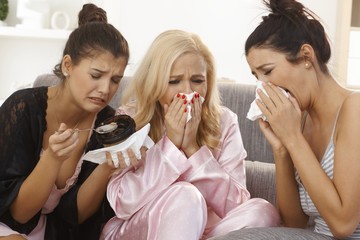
(260, 180)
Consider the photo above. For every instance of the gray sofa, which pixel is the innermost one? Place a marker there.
(260, 167)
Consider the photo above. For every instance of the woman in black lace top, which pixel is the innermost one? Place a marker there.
(46, 190)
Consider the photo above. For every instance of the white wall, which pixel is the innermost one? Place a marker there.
(223, 25)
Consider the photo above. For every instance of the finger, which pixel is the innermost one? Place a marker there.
(122, 163)
(63, 147)
(132, 157)
(109, 160)
(265, 99)
(264, 109)
(143, 150)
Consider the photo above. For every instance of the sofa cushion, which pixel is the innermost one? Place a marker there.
(272, 233)
(238, 97)
(260, 180)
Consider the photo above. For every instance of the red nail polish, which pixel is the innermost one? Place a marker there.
(185, 102)
(185, 110)
(197, 95)
(183, 96)
(192, 100)
(178, 95)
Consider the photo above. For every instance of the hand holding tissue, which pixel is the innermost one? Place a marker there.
(188, 98)
(254, 110)
(135, 142)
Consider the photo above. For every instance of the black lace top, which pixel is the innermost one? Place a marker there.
(22, 125)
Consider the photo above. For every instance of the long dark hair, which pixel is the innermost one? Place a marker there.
(93, 34)
(288, 26)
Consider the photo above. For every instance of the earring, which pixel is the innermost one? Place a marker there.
(307, 65)
(65, 74)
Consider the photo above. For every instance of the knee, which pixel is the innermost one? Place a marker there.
(187, 195)
(267, 213)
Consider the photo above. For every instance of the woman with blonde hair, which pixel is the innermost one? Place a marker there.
(191, 183)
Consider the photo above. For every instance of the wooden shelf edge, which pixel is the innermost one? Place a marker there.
(19, 32)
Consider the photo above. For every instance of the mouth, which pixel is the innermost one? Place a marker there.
(98, 101)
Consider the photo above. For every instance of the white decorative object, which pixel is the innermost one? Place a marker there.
(33, 13)
(60, 20)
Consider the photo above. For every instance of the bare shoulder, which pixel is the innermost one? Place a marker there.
(351, 104)
(349, 115)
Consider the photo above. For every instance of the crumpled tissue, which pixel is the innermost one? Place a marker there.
(135, 142)
(188, 98)
(254, 110)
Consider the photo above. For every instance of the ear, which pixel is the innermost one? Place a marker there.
(308, 54)
(66, 65)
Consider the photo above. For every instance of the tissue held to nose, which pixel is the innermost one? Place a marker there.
(254, 110)
(188, 97)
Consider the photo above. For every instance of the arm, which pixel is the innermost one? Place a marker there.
(22, 123)
(334, 198)
(222, 172)
(130, 190)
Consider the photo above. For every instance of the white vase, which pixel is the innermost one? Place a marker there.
(33, 13)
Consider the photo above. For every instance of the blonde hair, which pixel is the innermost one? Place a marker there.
(150, 82)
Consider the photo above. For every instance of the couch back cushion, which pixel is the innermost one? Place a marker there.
(238, 97)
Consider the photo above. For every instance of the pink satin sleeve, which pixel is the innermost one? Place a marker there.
(164, 163)
(220, 175)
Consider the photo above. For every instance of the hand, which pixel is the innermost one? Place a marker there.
(270, 136)
(134, 162)
(62, 143)
(175, 120)
(189, 144)
(282, 113)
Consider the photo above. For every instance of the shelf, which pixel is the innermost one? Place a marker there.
(19, 32)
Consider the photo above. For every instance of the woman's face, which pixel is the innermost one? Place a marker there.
(188, 74)
(271, 66)
(94, 81)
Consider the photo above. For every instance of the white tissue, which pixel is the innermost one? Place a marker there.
(135, 142)
(254, 110)
(188, 98)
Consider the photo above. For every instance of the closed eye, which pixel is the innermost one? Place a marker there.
(116, 80)
(267, 72)
(174, 81)
(95, 76)
(198, 81)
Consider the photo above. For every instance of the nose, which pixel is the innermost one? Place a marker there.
(104, 86)
(187, 87)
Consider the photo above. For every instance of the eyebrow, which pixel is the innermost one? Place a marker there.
(181, 75)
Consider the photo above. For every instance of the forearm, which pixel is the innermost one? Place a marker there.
(324, 194)
(288, 200)
(35, 190)
(92, 192)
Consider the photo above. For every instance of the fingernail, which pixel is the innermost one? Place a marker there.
(183, 96)
(185, 102)
(192, 100)
(178, 95)
(185, 110)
